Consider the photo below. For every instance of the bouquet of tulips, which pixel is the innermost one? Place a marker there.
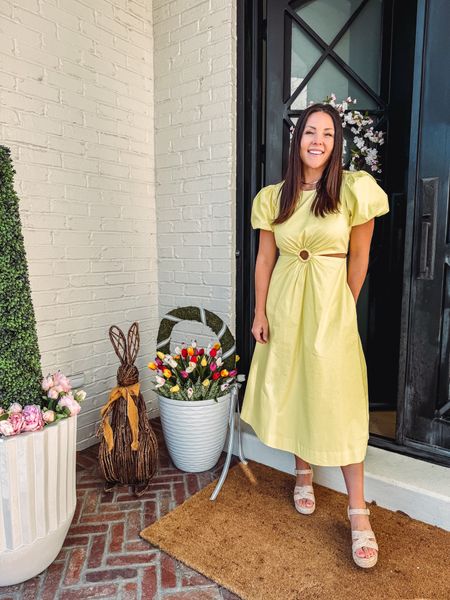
(192, 373)
(58, 401)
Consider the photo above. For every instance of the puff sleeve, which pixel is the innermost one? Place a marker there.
(365, 198)
(263, 209)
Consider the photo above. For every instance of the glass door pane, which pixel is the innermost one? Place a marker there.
(360, 46)
(330, 78)
(304, 54)
(327, 17)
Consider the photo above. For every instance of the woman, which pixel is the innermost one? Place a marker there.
(307, 385)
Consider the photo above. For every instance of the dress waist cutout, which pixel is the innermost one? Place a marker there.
(306, 254)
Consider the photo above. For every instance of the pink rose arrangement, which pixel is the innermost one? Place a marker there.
(32, 418)
(17, 419)
(59, 401)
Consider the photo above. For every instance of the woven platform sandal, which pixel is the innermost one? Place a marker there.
(304, 491)
(360, 538)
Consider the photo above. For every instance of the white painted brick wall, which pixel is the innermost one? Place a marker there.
(195, 129)
(76, 108)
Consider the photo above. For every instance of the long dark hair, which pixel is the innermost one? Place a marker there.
(329, 186)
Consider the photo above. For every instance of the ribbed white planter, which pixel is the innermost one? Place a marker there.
(37, 498)
(195, 431)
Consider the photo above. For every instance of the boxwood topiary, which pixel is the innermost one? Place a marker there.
(20, 365)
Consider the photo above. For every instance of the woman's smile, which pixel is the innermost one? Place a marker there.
(316, 144)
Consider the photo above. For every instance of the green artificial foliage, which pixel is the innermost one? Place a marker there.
(20, 364)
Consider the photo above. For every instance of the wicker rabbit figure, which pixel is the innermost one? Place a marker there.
(128, 451)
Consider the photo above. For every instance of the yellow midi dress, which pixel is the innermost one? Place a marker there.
(306, 389)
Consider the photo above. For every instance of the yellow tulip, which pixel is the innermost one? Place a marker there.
(175, 388)
(204, 362)
(190, 351)
(224, 372)
(152, 365)
(237, 357)
(160, 355)
(167, 373)
(206, 382)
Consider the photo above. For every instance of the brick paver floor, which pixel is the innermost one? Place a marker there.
(103, 555)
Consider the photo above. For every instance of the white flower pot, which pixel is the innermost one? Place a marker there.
(37, 498)
(194, 431)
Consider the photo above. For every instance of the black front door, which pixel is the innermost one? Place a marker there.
(351, 48)
(362, 49)
(292, 52)
(425, 418)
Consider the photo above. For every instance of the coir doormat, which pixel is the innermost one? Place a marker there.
(252, 541)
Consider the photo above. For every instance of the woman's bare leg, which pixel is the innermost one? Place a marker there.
(303, 479)
(354, 481)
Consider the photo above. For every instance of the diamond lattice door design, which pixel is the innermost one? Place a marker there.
(313, 49)
(323, 46)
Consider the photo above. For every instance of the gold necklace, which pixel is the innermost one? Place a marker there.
(308, 188)
(310, 182)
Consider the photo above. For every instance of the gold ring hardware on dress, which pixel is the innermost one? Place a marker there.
(304, 254)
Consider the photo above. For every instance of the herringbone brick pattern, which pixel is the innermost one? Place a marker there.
(103, 555)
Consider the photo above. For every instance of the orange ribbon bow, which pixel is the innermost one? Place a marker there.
(126, 392)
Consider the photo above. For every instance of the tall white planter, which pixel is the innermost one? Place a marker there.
(37, 498)
(194, 431)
